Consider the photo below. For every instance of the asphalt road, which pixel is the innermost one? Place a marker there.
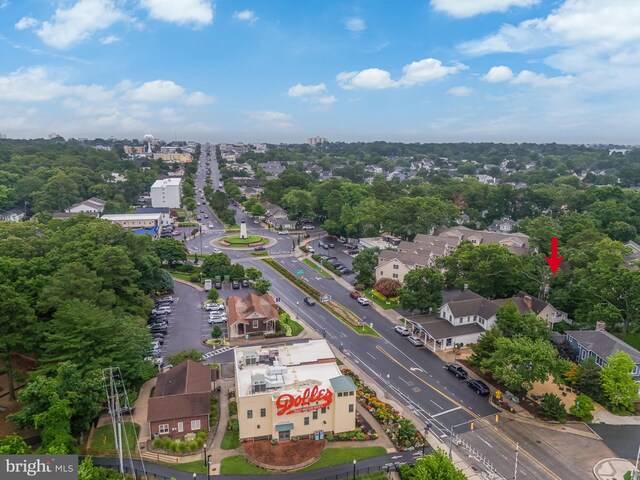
(414, 377)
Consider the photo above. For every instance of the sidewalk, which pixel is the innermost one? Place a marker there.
(612, 469)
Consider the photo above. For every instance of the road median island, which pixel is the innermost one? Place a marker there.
(339, 311)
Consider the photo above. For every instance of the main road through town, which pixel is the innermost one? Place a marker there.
(412, 377)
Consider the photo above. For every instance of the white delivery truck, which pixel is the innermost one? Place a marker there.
(207, 284)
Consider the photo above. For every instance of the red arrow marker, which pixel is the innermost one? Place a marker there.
(554, 260)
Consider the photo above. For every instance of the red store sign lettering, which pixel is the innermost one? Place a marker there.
(288, 404)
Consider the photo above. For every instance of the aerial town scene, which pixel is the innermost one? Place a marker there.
(320, 240)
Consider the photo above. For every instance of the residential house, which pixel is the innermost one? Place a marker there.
(14, 215)
(633, 257)
(600, 344)
(517, 243)
(460, 321)
(181, 400)
(529, 304)
(487, 179)
(393, 264)
(272, 168)
(91, 205)
(504, 225)
(251, 315)
(283, 224)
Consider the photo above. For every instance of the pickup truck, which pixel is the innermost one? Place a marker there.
(457, 370)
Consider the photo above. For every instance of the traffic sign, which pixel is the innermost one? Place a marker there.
(277, 299)
(300, 273)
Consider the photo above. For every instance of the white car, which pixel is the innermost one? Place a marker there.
(211, 226)
(214, 307)
(308, 227)
(217, 320)
(216, 250)
(161, 310)
(404, 331)
(364, 301)
(283, 232)
(311, 250)
(415, 341)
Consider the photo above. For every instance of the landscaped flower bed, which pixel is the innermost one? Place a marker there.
(402, 432)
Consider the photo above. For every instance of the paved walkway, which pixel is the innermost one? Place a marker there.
(604, 416)
(612, 469)
(141, 406)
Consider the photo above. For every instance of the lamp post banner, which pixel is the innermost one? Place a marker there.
(36, 467)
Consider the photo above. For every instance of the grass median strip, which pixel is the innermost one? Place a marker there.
(317, 268)
(315, 293)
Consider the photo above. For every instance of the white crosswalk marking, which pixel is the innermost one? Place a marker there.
(216, 352)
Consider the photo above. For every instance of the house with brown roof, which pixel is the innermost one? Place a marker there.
(251, 315)
(529, 304)
(181, 400)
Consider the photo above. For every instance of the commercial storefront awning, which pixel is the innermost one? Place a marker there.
(284, 427)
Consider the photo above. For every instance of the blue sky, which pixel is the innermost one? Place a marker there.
(281, 71)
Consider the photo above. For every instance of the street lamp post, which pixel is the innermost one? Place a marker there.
(194, 475)
(208, 467)
(354, 468)
(297, 310)
(205, 455)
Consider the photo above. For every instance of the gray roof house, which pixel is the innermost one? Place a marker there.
(600, 344)
(504, 225)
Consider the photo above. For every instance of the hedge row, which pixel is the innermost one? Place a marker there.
(326, 265)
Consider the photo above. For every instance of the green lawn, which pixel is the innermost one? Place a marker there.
(317, 268)
(182, 276)
(381, 475)
(296, 328)
(231, 437)
(369, 294)
(235, 240)
(197, 466)
(103, 437)
(632, 339)
(238, 465)
(336, 456)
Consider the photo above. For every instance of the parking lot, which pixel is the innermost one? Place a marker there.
(188, 322)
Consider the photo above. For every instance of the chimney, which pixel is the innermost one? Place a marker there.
(527, 301)
(600, 326)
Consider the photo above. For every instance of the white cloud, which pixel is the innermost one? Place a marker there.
(498, 74)
(109, 39)
(248, 16)
(185, 12)
(77, 23)
(30, 85)
(270, 118)
(527, 77)
(26, 22)
(162, 91)
(608, 24)
(355, 24)
(300, 90)
(415, 73)
(4, 4)
(469, 8)
(326, 100)
(460, 91)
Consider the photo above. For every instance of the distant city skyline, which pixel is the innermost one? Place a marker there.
(280, 71)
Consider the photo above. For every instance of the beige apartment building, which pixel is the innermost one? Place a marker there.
(292, 391)
(173, 157)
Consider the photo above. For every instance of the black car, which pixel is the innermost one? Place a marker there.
(245, 283)
(479, 386)
(217, 285)
(347, 271)
(158, 328)
(309, 301)
(235, 284)
(259, 248)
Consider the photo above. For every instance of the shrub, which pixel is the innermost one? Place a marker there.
(387, 287)
(233, 408)
(329, 436)
(213, 295)
(194, 278)
(157, 443)
(582, 408)
(216, 332)
(551, 407)
(195, 445)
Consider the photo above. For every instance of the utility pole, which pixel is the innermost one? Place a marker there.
(635, 469)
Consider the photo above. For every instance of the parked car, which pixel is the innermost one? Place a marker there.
(404, 331)
(214, 307)
(347, 271)
(364, 301)
(257, 222)
(235, 284)
(355, 294)
(415, 341)
(213, 320)
(308, 227)
(166, 298)
(158, 328)
(457, 370)
(245, 282)
(311, 250)
(309, 301)
(162, 310)
(217, 285)
(331, 245)
(259, 248)
(479, 386)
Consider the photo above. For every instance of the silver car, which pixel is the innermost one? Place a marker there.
(415, 341)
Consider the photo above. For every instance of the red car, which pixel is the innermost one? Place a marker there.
(355, 294)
